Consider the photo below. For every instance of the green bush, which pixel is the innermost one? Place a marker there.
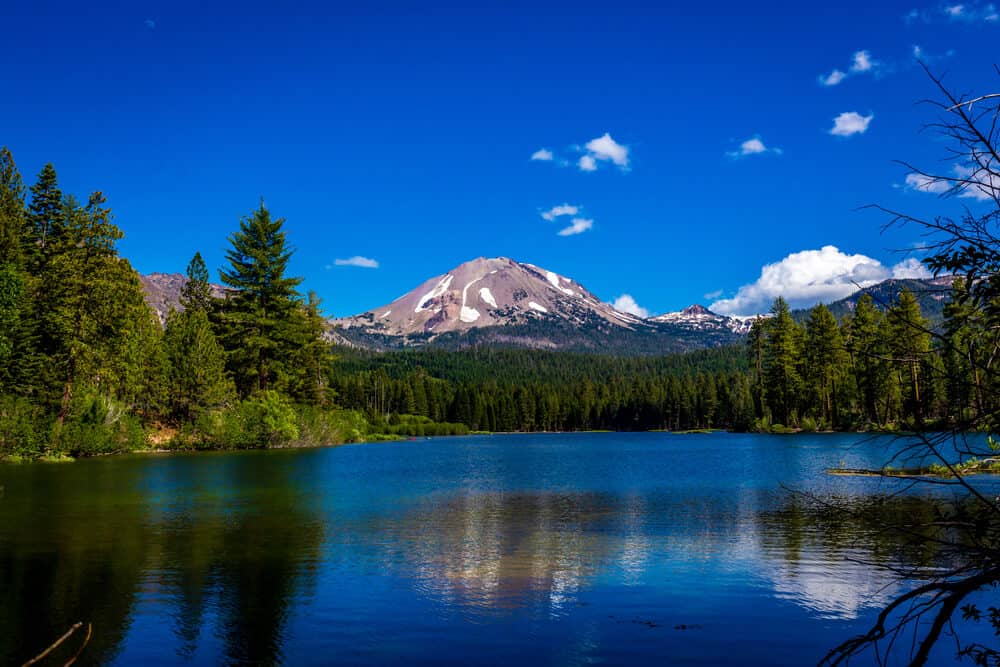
(22, 428)
(808, 425)
(99, 425)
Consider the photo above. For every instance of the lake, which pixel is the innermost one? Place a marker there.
(558, 549)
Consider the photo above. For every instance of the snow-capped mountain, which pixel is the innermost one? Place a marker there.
(485, 293)
(700, 318)
(501, 301)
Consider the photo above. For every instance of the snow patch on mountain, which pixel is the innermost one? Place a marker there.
(556, 281)
(535, 306)
(486, 295)
(438, 290)
(699, 318)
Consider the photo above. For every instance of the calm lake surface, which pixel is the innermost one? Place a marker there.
(533, 549)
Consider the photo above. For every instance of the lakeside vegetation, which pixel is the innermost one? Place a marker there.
(86, 367)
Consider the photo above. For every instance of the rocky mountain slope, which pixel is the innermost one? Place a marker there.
(503, 302)
(163, 292)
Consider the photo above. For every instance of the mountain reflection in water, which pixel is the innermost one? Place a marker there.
(397, 553)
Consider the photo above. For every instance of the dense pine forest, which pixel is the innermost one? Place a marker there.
(86, 367)
(878, 368)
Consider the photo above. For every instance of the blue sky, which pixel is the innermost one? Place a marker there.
(403, 133)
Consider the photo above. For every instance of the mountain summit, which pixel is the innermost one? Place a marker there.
(486, 293)
(504, 302)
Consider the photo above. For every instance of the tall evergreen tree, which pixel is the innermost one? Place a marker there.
(782, 360)
(197, 373)
(260, 318)
(867, 349)
(12, 213)
(908, 342)
(46, 217)
(826, 361)
(196, 294)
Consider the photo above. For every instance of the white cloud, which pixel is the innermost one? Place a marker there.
(985, 188)
(862, 62)
(150, 23)
(850, 123)
(833, 78)
(714, 295)
(753, 146)
(804, 279)
(561, 209)
(357, 260)
(606, 148)
(543, 155)
(587, 163)
(911, 267)
(577, 226)
(626, 304)
(968, 12)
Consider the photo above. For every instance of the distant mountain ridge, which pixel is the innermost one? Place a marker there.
(163, 292)
(504, 303)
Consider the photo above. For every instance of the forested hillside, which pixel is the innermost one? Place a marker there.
(86, 366)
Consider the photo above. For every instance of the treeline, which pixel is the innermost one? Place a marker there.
(492, 389)
(873, 369)
(86, 368)
(877, 368)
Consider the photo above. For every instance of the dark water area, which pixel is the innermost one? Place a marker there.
(532, 549)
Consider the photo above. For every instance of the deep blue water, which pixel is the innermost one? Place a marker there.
(533, 549)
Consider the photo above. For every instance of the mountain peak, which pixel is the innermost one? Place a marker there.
(486, 292)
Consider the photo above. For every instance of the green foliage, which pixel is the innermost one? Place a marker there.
(196, 375)
(12, 212)
(23, 428)
(258, 321)
(196, 294)
(266, 419)
(99, 425)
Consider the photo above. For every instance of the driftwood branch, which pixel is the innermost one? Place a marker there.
(69, 633)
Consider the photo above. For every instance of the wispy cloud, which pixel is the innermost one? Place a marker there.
(589, 156)
(861, 63)
(959, 12)
(850, 123)
(577, 226)
(809, 277)
(833, 78)
(982, 188)
(587, 163)
(627, 304)
(753, 146)
(150, 23)
(358, 261)
(560, 210)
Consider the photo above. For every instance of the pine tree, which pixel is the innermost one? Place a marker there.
(259, 319)
(46, 218)
(196, 294)
(12, 212)
(99, 304)
(197, 379)
(782, 360)
(867, 350)
(826, 361)
(909, 344)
